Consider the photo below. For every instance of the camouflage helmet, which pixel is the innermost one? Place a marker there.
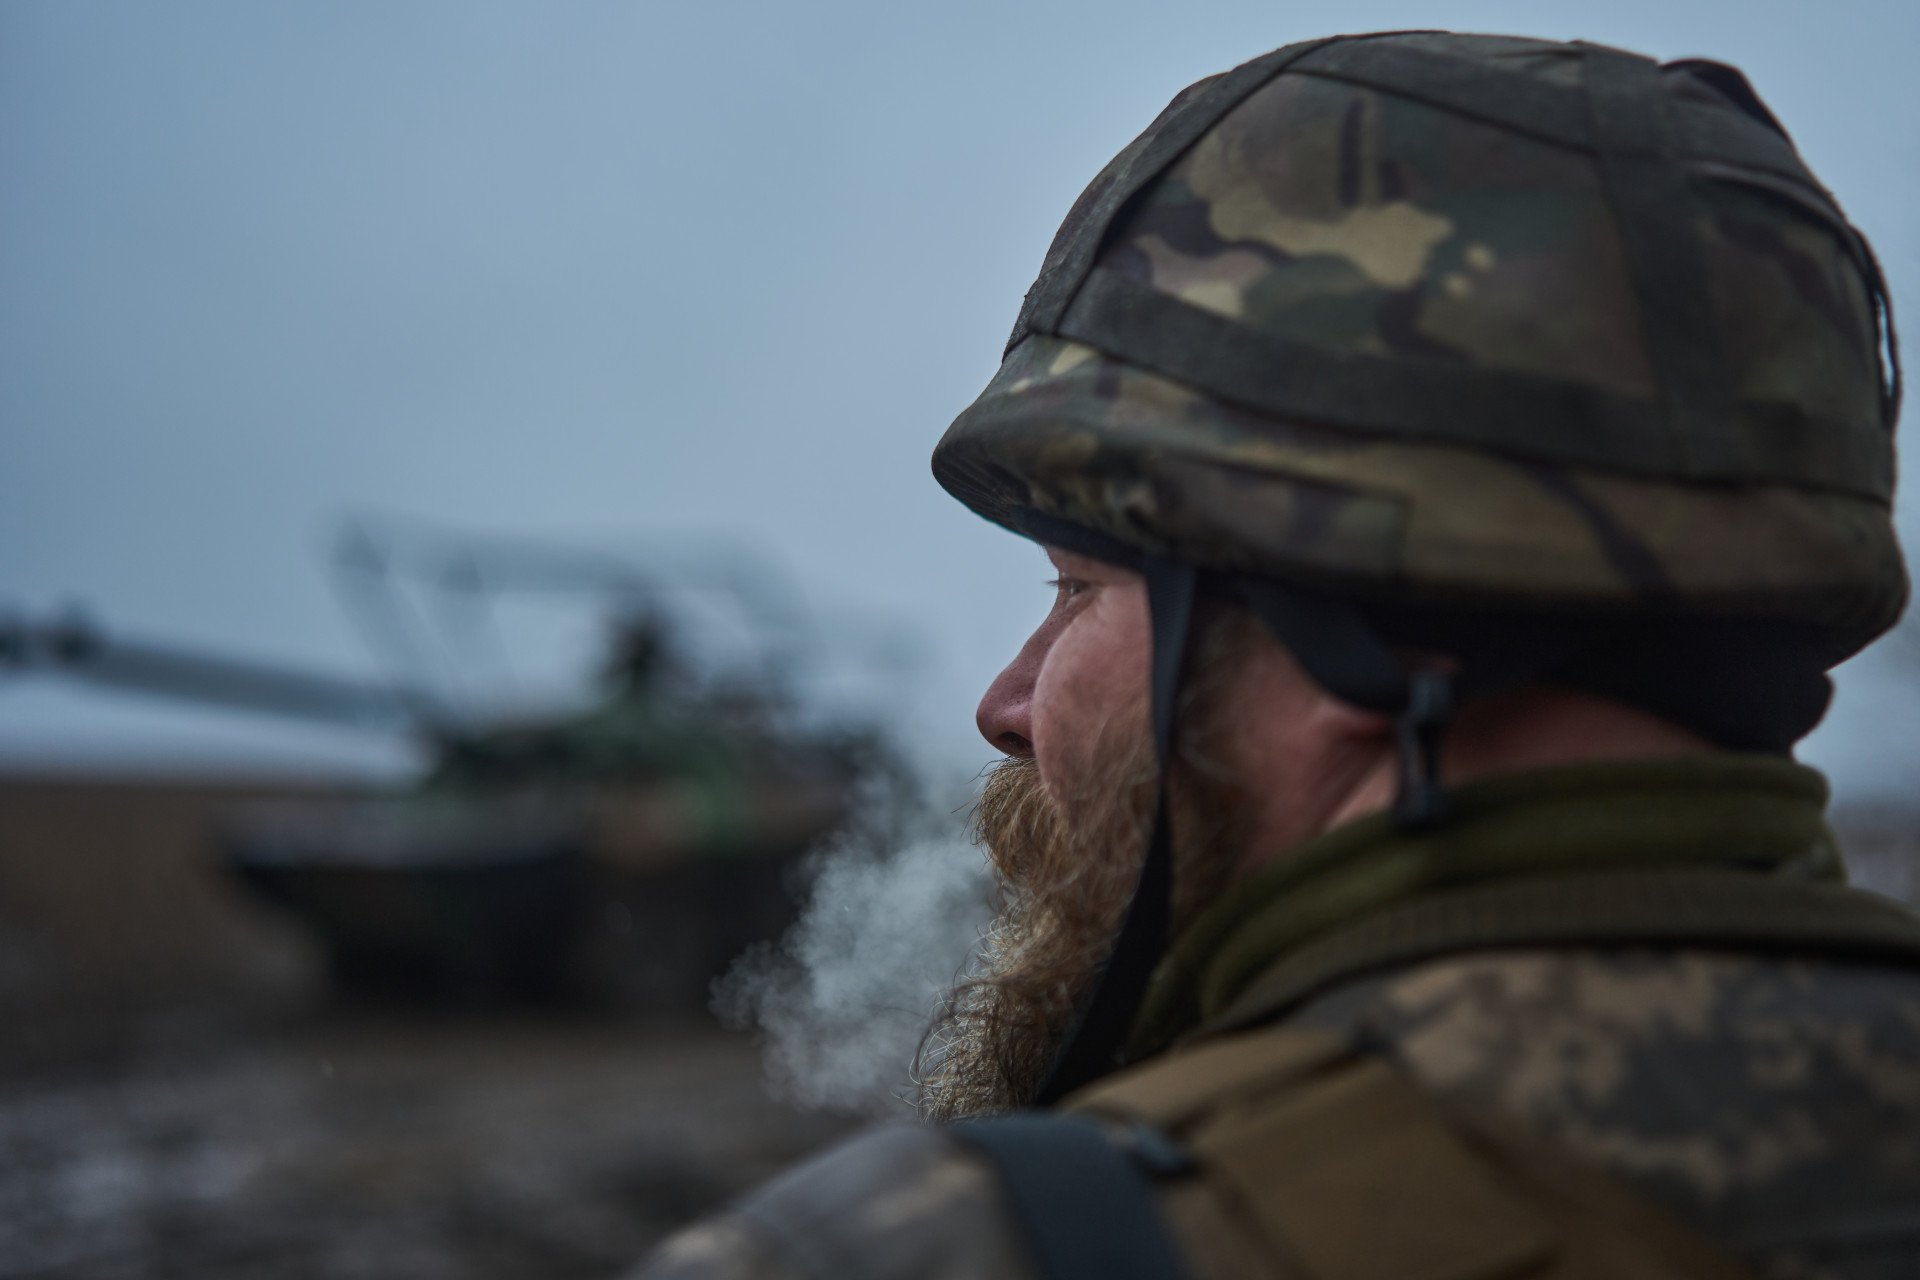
(1464, 321)
(1494, 331)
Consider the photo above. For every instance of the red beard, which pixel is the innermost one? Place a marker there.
(1067, 868)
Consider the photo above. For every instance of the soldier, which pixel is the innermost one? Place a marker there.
(1463, 458)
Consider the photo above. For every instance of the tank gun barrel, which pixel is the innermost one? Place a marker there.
(78, 650)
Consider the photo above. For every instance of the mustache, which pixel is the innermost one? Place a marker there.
(1050, 840)
(1017, 822)
(1066, 866)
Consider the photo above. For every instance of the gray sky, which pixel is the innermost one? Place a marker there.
(630, 272)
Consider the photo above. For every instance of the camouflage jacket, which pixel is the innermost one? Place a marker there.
(1722, 1028)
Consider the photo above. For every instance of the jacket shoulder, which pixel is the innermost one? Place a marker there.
(894, 1202)
(1769, 1099)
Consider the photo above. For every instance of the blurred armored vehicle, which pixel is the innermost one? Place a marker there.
(623, 841)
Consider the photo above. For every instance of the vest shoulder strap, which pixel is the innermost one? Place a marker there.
(1087, 1210)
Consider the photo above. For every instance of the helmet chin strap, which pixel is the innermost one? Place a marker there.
(1106, 1012)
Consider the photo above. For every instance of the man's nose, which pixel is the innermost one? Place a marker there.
(1005, 714)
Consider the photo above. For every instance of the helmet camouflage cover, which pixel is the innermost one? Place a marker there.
(1464, 321)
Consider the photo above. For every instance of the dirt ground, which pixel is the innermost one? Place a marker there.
(367, 1144)
(183, 1094)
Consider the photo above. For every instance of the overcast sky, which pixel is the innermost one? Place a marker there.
(631, 273)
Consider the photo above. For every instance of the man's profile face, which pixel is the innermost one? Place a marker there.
(1081, 676)
(1064, 821)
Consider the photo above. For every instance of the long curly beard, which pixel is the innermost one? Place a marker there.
(1067, 869)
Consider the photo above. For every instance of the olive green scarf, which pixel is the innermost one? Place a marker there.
(1758, 813)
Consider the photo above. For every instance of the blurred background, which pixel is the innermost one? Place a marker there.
(466, 536)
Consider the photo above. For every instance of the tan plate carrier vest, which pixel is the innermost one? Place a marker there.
(1309, 1160)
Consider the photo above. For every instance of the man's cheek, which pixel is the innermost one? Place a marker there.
(1090, 693)
(1056, 752)
(1079, 740)
(1067, 710)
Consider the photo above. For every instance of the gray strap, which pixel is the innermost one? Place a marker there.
(1467, 87)
(1499, 410)
(1715, 134)
(1551, 112)
(1657, 218)
(1112, 1002)
(1085, 1205)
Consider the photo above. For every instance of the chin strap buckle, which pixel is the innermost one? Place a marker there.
(1422, 801)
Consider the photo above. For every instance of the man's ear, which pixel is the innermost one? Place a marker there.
(1273, 679)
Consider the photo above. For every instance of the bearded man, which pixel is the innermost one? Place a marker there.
(1463, 457)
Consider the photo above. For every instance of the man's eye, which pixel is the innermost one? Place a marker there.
(1067, 588)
